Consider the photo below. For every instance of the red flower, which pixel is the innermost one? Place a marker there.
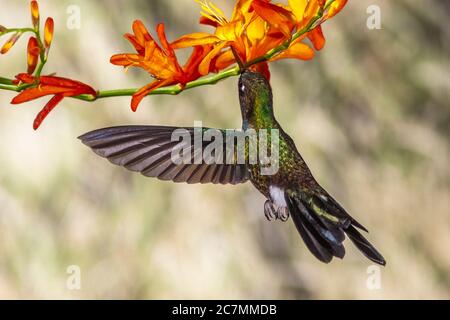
(49, 85)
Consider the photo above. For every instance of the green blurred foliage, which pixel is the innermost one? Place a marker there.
(370, 114)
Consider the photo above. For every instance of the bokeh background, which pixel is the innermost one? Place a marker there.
(370, 114)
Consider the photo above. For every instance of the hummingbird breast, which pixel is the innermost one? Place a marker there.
(292, 172)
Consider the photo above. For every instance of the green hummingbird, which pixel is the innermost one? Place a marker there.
(291, 191)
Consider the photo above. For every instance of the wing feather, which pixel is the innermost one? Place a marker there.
(148, 149)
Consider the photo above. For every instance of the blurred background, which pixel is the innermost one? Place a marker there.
(370, 115)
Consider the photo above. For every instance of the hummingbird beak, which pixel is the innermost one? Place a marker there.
(238, 60)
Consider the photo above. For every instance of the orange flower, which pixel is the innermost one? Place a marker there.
(160, 61)
(256, 27)
(248, 32)
(305, 10)
(32, 54)
(49, 85)
(34, 14)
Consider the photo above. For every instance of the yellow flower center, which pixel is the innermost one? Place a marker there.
(213, 13)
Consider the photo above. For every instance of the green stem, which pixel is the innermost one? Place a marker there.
(6, 84)
(9, 87)
(6, 81)
(21, 30)
(171, 90)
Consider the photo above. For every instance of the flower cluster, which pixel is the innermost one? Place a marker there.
(258, 32)
(31, 84)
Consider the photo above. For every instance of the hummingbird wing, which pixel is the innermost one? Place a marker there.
(150, 149)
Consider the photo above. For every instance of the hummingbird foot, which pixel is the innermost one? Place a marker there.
(278, 203)
(269, 211)
(283, 214)
(273, 213)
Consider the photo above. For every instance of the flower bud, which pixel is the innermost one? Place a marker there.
(10, 43)
(32, 55)
(35, 14)
(48, 32)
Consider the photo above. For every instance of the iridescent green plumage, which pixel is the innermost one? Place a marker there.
(290, 191)
(320, 220)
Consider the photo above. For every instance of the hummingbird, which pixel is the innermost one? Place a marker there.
(291, 191)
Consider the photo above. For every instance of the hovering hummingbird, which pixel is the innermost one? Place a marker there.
(290, 191)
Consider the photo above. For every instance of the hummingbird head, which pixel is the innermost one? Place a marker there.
(254, 92)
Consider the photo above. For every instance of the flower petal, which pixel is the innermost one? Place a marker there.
(49, 85)
(208, 21)
(223, 61)
(298, 50)
(241, 8)
(36, 93)
(194, 39)
(276, 16)
(25, 78)
(141, 32)
(162, 37)
(317, 38)
(256, 30)
(191, 66)
(298, 8)
(144, 91)
(66, 83)
(205, 65)
(125, 60)
(47, 109)
(335, 7)
(134, 41)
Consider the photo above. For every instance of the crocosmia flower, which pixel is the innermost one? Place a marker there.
(49, 85)
(158, 60)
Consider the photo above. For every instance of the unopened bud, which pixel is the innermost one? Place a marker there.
(35, 14)
(48, 32)
(10, 43)
(32, 55)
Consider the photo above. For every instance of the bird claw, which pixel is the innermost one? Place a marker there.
(283, 214)
(272, 213)
(269, 211)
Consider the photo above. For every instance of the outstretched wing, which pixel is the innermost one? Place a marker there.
(149, 150)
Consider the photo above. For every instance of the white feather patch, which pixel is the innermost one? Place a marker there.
(277, 196)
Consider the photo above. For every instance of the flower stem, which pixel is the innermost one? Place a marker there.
(174, 90)
(7, 84)
(171, 90)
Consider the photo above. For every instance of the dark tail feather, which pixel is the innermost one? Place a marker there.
(322, 242)
(320, 251)
(322, 224)
(364, 246)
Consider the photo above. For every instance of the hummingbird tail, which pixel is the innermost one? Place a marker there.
(323, 224)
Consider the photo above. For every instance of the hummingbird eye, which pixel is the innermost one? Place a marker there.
(242, 88)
